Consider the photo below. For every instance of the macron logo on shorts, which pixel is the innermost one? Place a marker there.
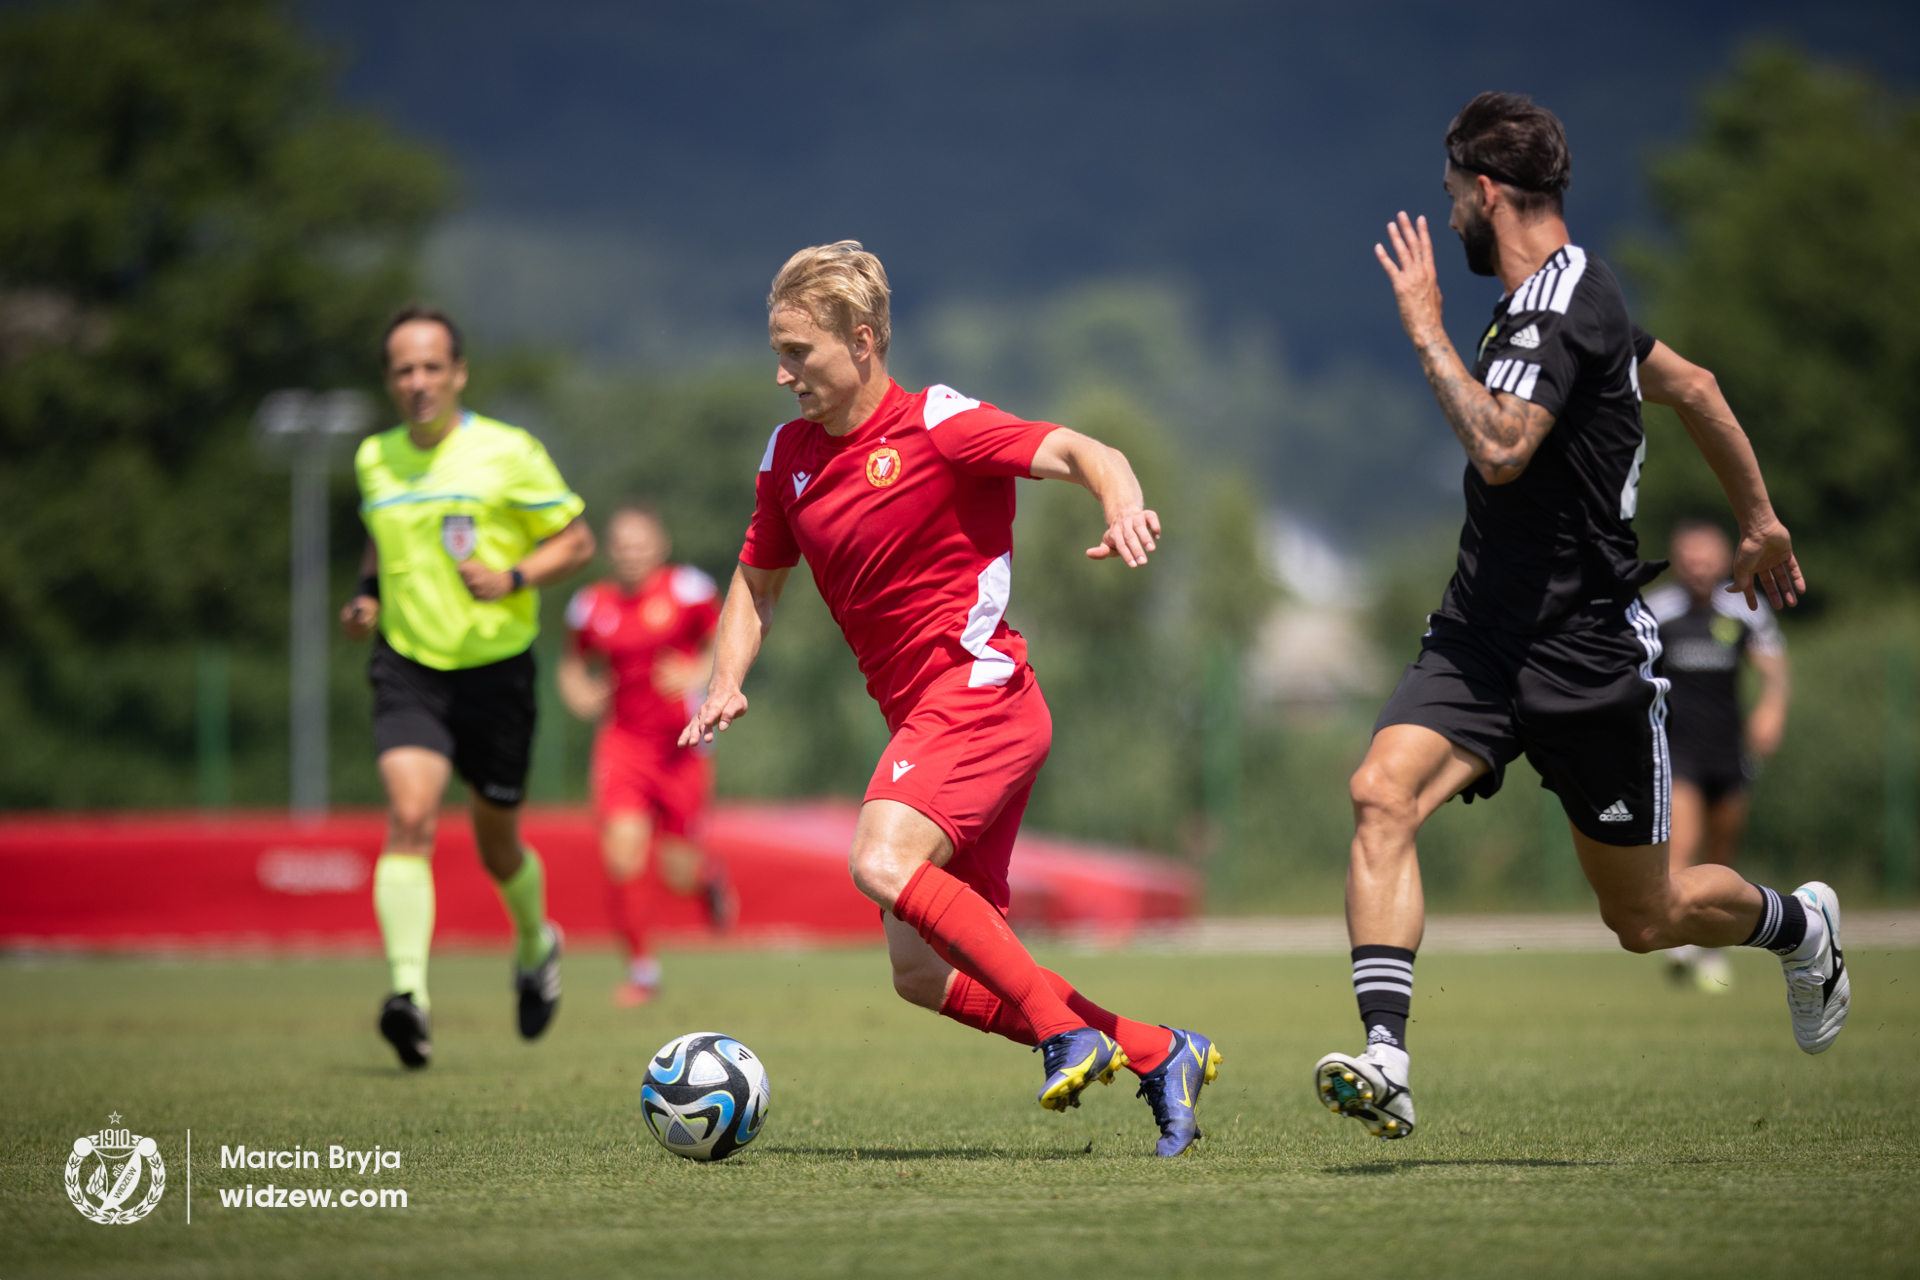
(900, 767)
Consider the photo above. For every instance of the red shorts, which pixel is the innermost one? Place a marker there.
(632, 774)
(967, 759)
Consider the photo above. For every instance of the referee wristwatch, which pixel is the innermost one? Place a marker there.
(519, 578)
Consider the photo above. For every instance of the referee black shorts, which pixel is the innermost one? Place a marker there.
(1584, 706)
(481, 718)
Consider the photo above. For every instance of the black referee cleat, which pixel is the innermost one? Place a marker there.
(404, 1024)
(539, 989)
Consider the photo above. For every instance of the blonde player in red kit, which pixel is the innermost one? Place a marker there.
(639, 648)
(902, 505)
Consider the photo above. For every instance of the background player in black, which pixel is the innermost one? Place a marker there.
(1541, 644)
(1708, 635)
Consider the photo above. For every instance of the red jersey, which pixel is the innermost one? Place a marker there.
(907, 524)
(675, 611)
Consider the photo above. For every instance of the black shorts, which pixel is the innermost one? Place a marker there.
(1585, 706)
(481, 718)
(1718, 774)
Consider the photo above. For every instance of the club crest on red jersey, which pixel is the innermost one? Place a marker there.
(458, 536)
(883, 467)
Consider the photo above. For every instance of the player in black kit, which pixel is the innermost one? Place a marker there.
(1708, 635)
(1541, 644)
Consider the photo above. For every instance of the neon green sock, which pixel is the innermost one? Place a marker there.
(525, 893)
(403, 899)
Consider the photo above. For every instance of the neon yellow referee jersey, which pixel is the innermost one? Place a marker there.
(488, 492)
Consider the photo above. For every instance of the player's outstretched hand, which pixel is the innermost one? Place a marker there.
(1416, 284)
(358, 618)
(1765, 561)
(721, 708)
(1130, 537)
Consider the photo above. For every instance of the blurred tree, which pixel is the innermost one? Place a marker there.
(1791, 273)
(189, 223)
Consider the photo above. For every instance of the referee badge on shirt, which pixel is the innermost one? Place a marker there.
(458, 536)
(883, 467)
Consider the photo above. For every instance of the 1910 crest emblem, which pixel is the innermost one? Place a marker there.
(883, 467)
(119, 1160)
(458, 536)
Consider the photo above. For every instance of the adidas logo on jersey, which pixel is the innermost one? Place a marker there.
(1616, 812)
(1528, 337)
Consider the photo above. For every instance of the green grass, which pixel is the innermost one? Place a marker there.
(1578, 1119)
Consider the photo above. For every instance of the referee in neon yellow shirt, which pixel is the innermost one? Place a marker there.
(466, 517)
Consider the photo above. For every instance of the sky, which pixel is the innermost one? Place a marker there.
(633, 173)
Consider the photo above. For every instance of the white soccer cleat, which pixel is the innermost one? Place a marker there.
(1360, 1087)
(1818, 990)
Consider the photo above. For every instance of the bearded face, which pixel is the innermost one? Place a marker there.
(1476, 237)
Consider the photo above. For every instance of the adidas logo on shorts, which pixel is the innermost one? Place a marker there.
(1616, 812)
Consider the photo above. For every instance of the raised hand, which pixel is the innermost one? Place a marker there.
(1416, 284)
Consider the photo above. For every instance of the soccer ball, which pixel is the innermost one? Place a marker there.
(705, 1096)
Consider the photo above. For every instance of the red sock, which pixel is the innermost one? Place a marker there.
(964, 930)
(627, 907)
(972, 1005)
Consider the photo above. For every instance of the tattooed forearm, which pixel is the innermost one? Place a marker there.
(1499, 432)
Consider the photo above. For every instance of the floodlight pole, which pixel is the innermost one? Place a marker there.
(306, 431)
(307, 628)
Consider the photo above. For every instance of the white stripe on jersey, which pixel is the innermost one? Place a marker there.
(1551, 287)
(766, 459)
(1514, 376)
(943, 402)
(990, 666)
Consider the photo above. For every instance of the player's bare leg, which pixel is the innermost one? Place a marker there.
(521, 879)
(403, 898)
(1649, 906)
(1726, 823)
(1710, 833)
(1409, 772)
(1688, 825)
(625, 841)
(686, 870)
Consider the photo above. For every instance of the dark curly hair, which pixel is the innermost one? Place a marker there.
(1517, 144)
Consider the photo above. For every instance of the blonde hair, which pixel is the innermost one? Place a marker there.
(841, 286)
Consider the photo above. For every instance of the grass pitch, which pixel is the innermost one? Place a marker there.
(1578, 1118)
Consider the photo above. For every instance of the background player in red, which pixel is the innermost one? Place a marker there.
(902, 505)
(640, 647)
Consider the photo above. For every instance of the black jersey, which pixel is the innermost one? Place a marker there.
(1555, 549)
(1703, 648)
